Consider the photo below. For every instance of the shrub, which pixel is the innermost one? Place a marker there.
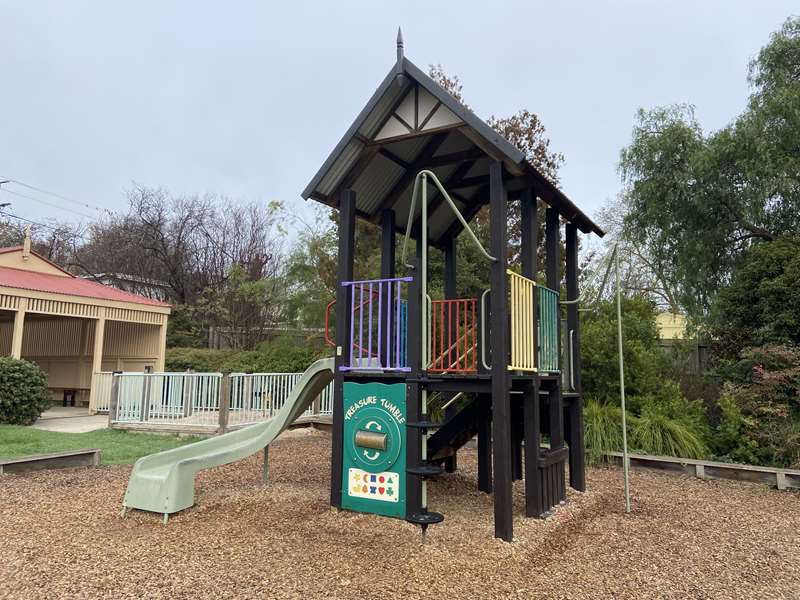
(23, 391)
(646, 363)
(664, 423)
(730, 442)
(278, 356)
(760, 407)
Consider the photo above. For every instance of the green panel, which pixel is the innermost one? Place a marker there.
(374, 480)
(548, 330)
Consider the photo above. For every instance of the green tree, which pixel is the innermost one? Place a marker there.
(695, 201)
(242, 308)
(761, 304)
(645, 361)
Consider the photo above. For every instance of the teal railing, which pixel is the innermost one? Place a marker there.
(548, 330)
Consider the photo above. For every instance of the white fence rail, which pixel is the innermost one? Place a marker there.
(167, 398)
(258, 396)
(101, 391)
(205, 400)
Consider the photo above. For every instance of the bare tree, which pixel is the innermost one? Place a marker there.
(185, 243)
(640, 272)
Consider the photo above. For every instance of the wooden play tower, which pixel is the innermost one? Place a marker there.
(504, 365)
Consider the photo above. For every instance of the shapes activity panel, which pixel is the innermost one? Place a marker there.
(373, 474)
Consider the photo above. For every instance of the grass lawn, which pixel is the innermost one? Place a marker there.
(118, 447)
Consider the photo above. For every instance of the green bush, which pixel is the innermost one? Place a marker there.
(760, 408)
(730, 442)
(278, 356)
(664, 423)
(646, 363)
(23, 391)
(184, 329)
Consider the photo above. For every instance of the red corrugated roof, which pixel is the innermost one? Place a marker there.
(71, 286)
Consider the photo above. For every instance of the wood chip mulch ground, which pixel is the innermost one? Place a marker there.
(61, 537)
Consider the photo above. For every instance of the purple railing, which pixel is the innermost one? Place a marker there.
(378, 325)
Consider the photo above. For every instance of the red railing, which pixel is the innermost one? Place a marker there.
(328, 339)
(454, 337)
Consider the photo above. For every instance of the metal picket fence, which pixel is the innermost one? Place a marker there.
(196, 400)
(258, 396)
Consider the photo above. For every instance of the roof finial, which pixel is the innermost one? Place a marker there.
(26, 243)
(399, 44)
(399, 65)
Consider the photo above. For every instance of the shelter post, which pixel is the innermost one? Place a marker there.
(347, 228)
(19, 326)
(577, 461)
(501, 397)
(97, 351)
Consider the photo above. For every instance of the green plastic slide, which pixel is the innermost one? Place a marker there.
(164, 482)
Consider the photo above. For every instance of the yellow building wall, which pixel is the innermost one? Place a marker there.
(15, 260)
(671, 326)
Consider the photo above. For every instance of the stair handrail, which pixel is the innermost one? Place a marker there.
(467, 332)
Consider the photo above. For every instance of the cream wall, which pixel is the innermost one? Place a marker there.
(62, 347)
(17, 260)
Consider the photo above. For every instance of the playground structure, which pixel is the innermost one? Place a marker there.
(492, 365)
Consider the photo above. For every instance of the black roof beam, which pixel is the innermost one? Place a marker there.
(407, 178)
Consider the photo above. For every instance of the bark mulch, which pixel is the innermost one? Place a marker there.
(61, 537)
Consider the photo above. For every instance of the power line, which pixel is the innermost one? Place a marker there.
(7, 214)
(45, 202)
(59, 232)
(43, 191)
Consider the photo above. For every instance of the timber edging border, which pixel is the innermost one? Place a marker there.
(783, 479)
(69, 459)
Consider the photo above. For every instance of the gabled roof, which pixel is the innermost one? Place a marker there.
(411, 123)
(21, 249)
(70, 286)
(32, 271)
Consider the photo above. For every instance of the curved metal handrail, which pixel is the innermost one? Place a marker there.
(422, 176)
(483, 328)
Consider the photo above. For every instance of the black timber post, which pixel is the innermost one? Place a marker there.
(450, 292)
(387, 271)
(501, 398)
(530, 232)
(485, 443)
(530, 408)
(553, 263)
(552, 248)
(414, 389)
(577, 451)
(344, 272)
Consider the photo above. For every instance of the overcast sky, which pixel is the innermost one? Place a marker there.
(246, 99)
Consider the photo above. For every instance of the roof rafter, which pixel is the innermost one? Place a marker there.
(407, 178)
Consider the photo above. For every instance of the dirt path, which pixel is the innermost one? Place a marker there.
(60, 537)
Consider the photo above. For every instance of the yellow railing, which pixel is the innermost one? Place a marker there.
(523, 323)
